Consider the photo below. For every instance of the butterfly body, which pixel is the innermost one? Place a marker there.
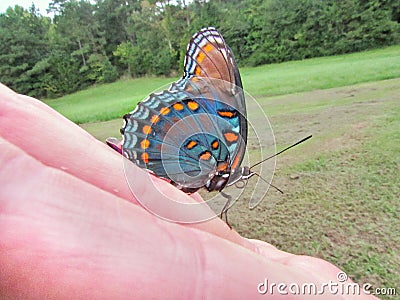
(195, 132)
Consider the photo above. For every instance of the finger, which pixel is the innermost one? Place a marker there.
(55, 141)
(84, 242)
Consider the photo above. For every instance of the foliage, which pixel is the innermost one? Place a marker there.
(100, 69)
(22, 47)
(90, 42)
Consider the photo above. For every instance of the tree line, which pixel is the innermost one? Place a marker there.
(89, 42)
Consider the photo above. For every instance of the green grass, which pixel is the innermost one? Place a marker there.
(354, 195)
(113, 100)
(322, 73)
(108, 101)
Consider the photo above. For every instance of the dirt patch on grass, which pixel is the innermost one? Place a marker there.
(334, 128)
(103, 130)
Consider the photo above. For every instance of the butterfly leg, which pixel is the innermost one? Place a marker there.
(225, 208)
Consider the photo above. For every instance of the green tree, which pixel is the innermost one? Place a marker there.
(149, 50)
(132, 57)
(22, 45)
(113, 17)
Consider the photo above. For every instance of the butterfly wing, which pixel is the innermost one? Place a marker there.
(196, 126)
(170, 134)
(209, 57)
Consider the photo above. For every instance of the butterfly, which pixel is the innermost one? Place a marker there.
(193, 134)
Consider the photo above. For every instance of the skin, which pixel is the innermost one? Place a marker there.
(70, 226)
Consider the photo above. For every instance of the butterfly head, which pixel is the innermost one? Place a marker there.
(219, 178)
(227, 177)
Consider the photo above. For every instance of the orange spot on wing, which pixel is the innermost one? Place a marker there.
(227, 113)
(178, 106)
(215, 145)
(235, 162)
(191, 144)
(145, 157)
(222, 167)
(197, 71)
(231, 137)
(147, 129)
(208, 47)
(200, 57)
(193, 105)
(145, 144)
(165, 111)
(154, 119)
(205, 156)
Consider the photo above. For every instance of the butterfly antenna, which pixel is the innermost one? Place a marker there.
(275, 187)
(276, 154)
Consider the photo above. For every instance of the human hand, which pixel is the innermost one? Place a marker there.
(71, 228)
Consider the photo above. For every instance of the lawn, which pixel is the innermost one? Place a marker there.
(323, 72)
(108, 101)
(113, 100)
(342, 187)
